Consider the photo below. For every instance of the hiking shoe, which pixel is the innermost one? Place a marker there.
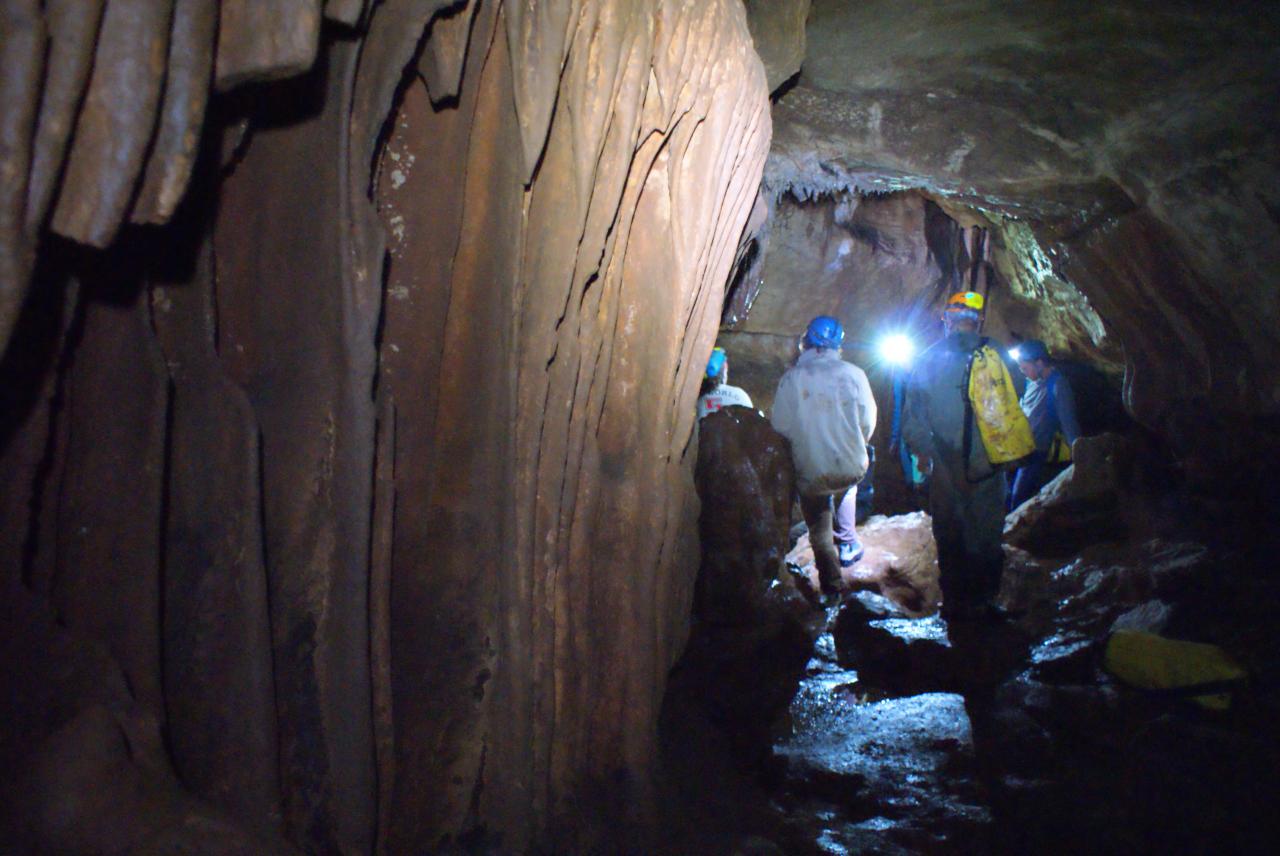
(850, 552)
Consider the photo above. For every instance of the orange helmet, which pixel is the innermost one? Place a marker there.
(971, 300)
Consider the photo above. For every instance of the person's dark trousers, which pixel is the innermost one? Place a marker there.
(818, 513)
(1028, 479)
(968, 525)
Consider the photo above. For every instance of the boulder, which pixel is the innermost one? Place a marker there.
(1149, 617)
(1082, 506)
(900, 562)
(900, 655)
(745, 481)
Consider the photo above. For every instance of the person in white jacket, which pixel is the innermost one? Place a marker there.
(716, 394)
(825, 408)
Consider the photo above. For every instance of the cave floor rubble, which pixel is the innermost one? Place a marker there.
(874, 727)
(869, 769)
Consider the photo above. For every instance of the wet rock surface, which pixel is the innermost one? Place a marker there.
(870, 770)
(906, 735)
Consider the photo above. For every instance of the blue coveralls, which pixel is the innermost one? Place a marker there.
(1050, 407)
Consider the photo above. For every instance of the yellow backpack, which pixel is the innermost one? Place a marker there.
(993, 401)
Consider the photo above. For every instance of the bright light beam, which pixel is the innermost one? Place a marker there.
(897, 349)
(1015, 353)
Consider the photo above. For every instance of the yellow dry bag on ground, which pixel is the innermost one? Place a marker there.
(1203, 673)
(1003, 427)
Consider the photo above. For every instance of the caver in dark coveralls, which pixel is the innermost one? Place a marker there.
(968, 515)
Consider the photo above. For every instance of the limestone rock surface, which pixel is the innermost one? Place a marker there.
(777, 29)
(1083, 505)
(900, 563)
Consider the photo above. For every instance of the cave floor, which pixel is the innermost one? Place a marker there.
(861, 729)
(871, 769)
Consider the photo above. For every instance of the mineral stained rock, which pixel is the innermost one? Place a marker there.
(556, 514)
(104, 103)
(900, 562)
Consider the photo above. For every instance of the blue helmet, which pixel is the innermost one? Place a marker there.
(824, 332)
(1032, 350)
(715, 365)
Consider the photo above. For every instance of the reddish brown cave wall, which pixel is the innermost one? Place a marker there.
(543, 541)
(397, 546)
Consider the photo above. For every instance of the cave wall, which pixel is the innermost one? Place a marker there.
(372, 470)
(574, 367)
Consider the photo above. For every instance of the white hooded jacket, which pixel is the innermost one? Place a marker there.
(825, 408)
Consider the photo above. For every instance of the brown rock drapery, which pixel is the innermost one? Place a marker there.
(424, 534)
(544, 507)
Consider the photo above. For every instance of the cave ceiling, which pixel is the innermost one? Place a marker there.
(1029, 106)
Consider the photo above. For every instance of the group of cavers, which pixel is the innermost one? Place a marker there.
(961, 433)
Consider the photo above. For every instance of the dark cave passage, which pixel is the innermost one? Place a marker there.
(355, 496)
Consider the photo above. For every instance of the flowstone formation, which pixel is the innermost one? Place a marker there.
(370, 475)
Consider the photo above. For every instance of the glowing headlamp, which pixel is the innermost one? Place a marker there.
(1015, 353)
(897, 349)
